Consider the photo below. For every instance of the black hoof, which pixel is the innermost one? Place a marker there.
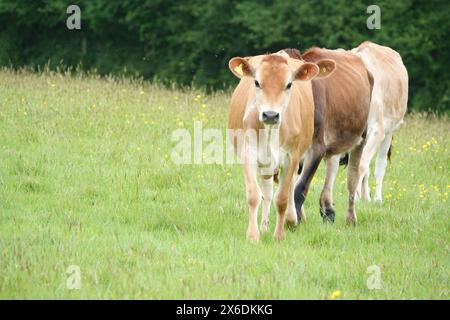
(291, 227)
(327, 215)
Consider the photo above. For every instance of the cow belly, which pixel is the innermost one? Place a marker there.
(337, 142)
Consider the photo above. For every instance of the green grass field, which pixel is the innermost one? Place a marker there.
(86, 179)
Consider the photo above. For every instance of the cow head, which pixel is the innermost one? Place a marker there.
(273, 76)
(326, 66)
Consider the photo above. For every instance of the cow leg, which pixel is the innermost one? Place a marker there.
(253, 193)
(365, 192)
(353, 180)
(326, 197)
(291, 213)
(310, 165)
(380, 165)
(375, 135)
(289, 165)
(267, 193)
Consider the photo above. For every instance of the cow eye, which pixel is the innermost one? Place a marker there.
(288, 85)
(257, 84)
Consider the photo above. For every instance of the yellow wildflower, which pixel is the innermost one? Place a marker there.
(336, 295)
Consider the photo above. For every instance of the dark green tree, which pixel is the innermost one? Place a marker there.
(190, 42)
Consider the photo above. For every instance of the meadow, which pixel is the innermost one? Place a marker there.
(86, 179)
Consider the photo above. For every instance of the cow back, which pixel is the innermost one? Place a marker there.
(390, 79)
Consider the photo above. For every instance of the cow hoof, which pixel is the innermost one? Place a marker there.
(328, 219)
(291, 218)
(278, 236)
(351, 221)
(253, 237)
(327, 215)
(291, 225)
(264, 226)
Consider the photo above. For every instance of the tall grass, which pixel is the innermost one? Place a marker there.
(86, 179)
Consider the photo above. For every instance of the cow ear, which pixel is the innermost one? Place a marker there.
(326, 67)
(306, 71)
(241, 67)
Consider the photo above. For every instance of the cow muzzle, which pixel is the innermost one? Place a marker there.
(270, 117)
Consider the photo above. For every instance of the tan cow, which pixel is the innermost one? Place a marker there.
(273, 100)
(387, 109)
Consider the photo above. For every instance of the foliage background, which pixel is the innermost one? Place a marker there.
(190, 42)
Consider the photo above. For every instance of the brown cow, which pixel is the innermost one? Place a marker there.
(274, 101)
(342, 103)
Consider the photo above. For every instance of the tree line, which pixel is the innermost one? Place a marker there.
(190, 42)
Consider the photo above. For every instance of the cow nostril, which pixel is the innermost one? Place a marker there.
(270, 116)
